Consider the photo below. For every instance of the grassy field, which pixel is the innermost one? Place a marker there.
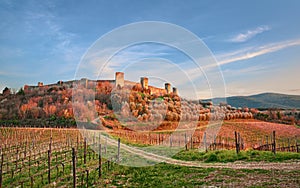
(225, 156)
(166, 175)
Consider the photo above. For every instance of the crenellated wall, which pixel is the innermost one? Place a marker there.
(119, 81)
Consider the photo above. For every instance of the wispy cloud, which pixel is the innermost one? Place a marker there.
(62, 43)
(257, 69)
(242, 37)
(158, 62)
(114, 59)
(45, 24)
(254, 51)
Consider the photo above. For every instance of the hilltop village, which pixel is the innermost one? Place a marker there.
(108, 98)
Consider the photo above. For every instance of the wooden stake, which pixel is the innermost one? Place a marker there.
(100, 161)
(49, 166)
(74, 167)
(84, 152)
(1, 168)
(118, 155)
(236, 142)
(205, 145)
(185, 141)
(87, 178)
(274, 143)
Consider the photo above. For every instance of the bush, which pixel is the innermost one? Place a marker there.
(212, 157)
(111, 117)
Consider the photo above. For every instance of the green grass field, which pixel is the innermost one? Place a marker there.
(225, 156)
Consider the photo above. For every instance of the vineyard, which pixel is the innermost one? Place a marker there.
(35, 157)
(39, 157)
(252, 134)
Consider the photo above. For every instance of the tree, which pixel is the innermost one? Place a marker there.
(6, 91)
(41, 103)
(21, 92)
(278, 115)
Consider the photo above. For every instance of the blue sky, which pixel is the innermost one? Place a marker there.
(256, 43)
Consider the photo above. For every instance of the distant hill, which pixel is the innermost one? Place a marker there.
(264, 100)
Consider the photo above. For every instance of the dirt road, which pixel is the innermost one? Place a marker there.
(291, 165)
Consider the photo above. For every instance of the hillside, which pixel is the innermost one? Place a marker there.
(59, 104)
(264, 100)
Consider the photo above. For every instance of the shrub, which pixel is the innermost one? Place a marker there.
(212, 157)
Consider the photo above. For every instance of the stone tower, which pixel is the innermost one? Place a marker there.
(60, 83)
(119, 79)
(84, 82)
(144, 82)
(168, 88)
(40, 84)
(175, 91)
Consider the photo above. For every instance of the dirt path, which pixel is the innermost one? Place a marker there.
(292, 165)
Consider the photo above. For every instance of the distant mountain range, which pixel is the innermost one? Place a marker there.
(264, 100)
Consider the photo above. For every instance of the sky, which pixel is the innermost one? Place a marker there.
(255, 43)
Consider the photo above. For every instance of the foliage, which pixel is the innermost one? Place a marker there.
(111, 117)
(21, 92)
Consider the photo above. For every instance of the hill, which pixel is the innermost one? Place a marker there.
(263, 100)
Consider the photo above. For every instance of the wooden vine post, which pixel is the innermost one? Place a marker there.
(100, 161)
(236, 142)
(1, 168)
(87, 178)
(118, 155)
(185, 142)
(49, 166)
(297, 148)
(74, 167)
(191, 141)
(84, 154)
(205, 144)
(274, 143)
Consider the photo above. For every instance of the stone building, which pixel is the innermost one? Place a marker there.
(168, 88)
(175, 91)
(40, 84)
(119, 79)
(144, 82)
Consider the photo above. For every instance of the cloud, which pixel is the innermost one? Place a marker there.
(112, 59)
(59, 44)
(248, 70)
(158, 62)
(46, 24)
(255, 51)
(242, 37)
